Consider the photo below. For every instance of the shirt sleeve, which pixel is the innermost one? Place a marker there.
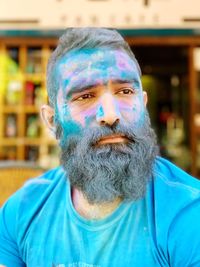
(9, 251)
(184, 237)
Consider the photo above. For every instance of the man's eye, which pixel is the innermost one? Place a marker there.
(126, 91)
(83, 97)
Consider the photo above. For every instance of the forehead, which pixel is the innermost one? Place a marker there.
(96, 65)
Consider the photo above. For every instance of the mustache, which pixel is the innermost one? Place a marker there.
(92, 135)
(131, 131)
(98, 133)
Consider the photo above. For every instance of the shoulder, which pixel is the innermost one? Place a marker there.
(169, 176)
(20, 211)
(30, 197)
(174, 204)
(172, 188)
(34, 188)
(43, 182)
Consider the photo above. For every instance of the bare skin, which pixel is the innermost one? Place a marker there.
(92, 211)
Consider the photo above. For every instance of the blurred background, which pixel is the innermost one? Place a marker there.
(163, 34)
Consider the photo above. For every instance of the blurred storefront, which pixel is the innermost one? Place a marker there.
(163, 34)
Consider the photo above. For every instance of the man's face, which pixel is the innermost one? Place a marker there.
(98, 87)
(107, 144)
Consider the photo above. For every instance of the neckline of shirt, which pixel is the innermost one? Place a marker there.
(96, 225)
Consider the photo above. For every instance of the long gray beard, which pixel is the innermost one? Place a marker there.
(106, 172)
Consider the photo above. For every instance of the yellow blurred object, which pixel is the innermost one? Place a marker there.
(13, 175)
(8, 69)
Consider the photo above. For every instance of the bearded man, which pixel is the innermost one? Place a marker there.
(113, 201)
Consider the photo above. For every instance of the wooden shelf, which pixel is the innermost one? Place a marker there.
(17, 141)
(24, 54)
(12, 109)
(15, 76)
(11, 141)
(38, 141)
(36, 77)
(31, 109)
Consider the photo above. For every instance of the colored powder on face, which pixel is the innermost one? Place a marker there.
(100, 112)
(134, 108)
(95, 67)
(114, 105)
(117, 109)
(88, 120)
(123, 63)
(89, 116)
(70, 127)
(68, 124)
(63, 117)
(96, 64)
(139, 122)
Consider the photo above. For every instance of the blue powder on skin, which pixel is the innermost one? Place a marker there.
(69, 126)
(88, 120)
(93, 67)
(100, 112)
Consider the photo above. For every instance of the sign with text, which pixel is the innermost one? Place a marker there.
(109, 13)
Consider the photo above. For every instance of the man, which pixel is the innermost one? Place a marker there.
(114, 201)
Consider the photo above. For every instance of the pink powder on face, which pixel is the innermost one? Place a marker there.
(95, 68)
(123, 61)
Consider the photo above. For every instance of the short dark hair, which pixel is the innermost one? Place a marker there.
(83, 38)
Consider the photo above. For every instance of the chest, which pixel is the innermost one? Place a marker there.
(59, 242)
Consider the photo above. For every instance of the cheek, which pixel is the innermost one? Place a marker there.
(68, 124)
(88, 116)
(133, 111)
(84, 116)
(70, 128)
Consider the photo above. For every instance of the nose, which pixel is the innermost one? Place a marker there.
(108, 110)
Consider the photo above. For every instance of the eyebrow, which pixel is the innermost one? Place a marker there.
(78, 89)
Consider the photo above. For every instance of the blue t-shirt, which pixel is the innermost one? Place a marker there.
(39, 226)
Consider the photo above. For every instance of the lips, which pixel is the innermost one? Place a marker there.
(113, 139)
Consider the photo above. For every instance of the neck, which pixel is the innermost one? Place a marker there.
(92, 211)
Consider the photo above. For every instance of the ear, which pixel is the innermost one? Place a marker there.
(145, 98)
(47, 115)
